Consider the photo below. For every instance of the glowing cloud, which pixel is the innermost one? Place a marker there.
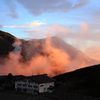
(84, 27)
(52, 30)
(32, 24)
(93, 52)
(51, 55)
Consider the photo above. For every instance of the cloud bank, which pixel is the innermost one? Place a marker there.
(38, 7)
(38, 56)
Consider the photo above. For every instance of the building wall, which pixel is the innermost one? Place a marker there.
(44, 86)
(29, 86)
(26, 86)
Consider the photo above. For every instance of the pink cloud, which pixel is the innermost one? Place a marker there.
(84, 27)
(93, 52)
(52, 30)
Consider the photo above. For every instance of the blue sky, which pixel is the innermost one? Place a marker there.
(75, 21)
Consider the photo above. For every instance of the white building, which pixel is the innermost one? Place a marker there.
(34, 84)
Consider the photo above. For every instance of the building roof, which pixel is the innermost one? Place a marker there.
(4, 77)
(11, 77)
(17, 77)
(41, 78)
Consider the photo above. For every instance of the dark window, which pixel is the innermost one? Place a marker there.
(41, 85)
(19, 84)
(29, 81)
(29, 85)
(35, 86)
(24, 85)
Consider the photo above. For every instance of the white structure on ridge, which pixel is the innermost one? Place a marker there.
(35, 84)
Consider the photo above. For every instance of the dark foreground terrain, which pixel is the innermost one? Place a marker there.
(13, 96)
(18, 96)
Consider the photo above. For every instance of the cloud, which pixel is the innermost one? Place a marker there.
(81, 32)
(51, 55)
(94, 36)
(29, 25)
(93, 52)
(52, 30)
(1, 26)
(12, 8)
(38, 7)
(58, 30)
(36, 33)
(80, 38)
(84, 27)
(80, 3)
(84, 32)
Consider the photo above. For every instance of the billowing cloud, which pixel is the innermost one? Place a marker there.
(29, 25)
(37, 7)
(50, 55)
(11, 7)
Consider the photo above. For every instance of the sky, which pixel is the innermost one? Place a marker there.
(75, 21)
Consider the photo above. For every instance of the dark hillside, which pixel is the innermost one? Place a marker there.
(85, 81)
(6, 41)
(7, 36)
(79, 73)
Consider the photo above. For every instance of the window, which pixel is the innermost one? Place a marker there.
(32, 81)
(19, 84)
(24, 85)
(29, 85)
(29, 81)
(41, 85)
(35, 86)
